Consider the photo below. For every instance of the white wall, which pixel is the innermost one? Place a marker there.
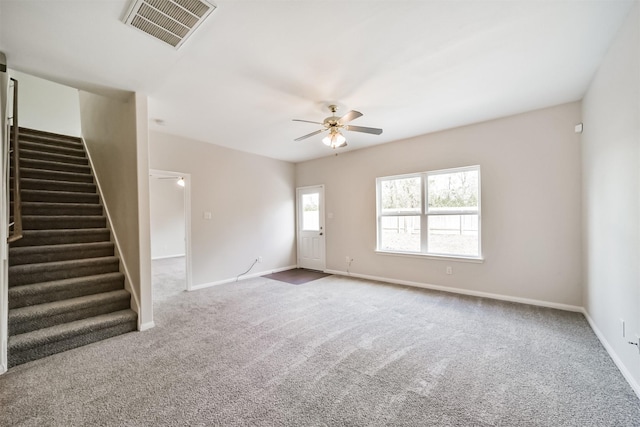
(167, 218)
(116, 136)
(251, 200)
(611, 176)
(48, 106)
(530, 169)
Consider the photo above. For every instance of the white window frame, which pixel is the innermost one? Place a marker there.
(424, 214)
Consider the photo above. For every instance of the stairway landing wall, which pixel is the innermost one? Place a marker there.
(115, 132)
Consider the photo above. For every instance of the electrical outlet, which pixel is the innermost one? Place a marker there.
(259, 259)
(449, 270)
(347, 259)
(622, 328)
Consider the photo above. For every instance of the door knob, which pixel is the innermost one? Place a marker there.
(321, 234)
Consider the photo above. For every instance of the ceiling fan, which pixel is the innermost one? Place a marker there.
(334, 125)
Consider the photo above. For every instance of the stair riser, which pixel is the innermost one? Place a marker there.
(67, 151)
(58, 197)
(18, 357)
(72, 210)
(49, 185)
(55, 175)
(60, 237)
(46, 321)
(21, 298)
(49, 223)
(54, 166)
(52, 157)
(18, 277)
(60, 255)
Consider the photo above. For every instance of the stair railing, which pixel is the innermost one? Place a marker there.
(15, 227)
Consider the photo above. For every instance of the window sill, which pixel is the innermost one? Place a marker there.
(477, 260)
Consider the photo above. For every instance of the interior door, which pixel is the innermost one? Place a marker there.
(311, 235)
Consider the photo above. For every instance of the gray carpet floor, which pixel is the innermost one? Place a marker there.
(168, 277)
(332, 352)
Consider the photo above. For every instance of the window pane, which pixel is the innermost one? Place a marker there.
(456, 191)
(453, 234)
(400, 233)
(400, 195)
(310, 212)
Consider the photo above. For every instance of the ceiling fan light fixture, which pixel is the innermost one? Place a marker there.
(334, 124)
(335, 140)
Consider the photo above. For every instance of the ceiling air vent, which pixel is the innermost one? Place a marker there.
(171, 21)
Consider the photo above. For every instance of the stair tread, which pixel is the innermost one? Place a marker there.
(57, 231)
(61, 204)
(47, 134)
(53, 192)
(44, 174)
(58, 204)
(47, 222)
(71, 304)
(51, 196)
(51, 334)
(61, 231)
(25, 274)
(53, 165)
(89, 186)
(54, 172)
(48, 265)
(27, 153)
(57, 142)
(43, 146)
(61, 236)
(60, 216)
(35, 288)
(59, 247)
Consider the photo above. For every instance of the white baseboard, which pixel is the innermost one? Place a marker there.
(244, 277)
(167, 257)
(500, 297)
(146, 326)
(623, 369)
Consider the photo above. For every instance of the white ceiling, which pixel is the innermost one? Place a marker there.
(411, 67)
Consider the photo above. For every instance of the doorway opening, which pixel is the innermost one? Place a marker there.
(170, 217)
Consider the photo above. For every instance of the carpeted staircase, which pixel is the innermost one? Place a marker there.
(65, 287)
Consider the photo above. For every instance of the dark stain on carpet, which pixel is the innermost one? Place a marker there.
(297, 276)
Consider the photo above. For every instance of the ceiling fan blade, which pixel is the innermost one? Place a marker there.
(307, 121)
(374, 131)
(309, 135)
(351, 115)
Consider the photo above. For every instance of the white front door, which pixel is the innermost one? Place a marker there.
(310, 210)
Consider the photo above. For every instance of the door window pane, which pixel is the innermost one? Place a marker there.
(311, 212)
(453, 234)
(400, 233)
